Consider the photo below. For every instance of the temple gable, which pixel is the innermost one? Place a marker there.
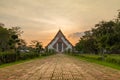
(60, 43)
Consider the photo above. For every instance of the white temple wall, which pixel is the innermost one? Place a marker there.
(64, 41)
(68, 45)
(51, 45)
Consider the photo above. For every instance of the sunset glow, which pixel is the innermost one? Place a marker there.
(41, 19)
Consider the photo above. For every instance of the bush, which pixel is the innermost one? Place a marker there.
(30, 55)
(11, 56)
(7, 57)
(49, 52)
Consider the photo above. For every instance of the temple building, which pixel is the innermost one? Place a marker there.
(60, 43)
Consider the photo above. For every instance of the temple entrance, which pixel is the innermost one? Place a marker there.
(60, 46)
(59, 43)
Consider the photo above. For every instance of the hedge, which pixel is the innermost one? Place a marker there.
(7, 57)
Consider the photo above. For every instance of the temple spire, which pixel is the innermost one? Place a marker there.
(60, 28)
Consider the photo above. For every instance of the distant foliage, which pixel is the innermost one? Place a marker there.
(13, 48)
(37, 46)
(7, 57)
(9, 38)
(49, 52)
(103, 38)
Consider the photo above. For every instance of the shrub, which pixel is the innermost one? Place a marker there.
(49, 52)
(29, 55)
(11, 56)
(6, 57)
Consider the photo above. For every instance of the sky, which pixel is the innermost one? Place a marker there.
(41, 19)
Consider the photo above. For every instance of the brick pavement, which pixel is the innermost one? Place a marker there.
(58, 67)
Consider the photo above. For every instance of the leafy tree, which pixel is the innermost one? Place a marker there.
(22, 45)
(4, 38)
(37, 46)
(87, 43)
(104, 37)
(14, 41)
(9, 38)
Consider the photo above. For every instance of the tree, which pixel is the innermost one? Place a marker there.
(14, 41)
(22, 45)
(104, 37)
(9, 38)
(37, 46)
(87, 43)
(4, 38)
(103, 32)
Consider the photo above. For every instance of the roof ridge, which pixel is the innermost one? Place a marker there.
(56, 36)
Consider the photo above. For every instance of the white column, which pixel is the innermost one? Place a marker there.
(57, 47)
(62, 47)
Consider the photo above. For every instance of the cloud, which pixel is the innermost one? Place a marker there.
(76, 35)
(41, 18)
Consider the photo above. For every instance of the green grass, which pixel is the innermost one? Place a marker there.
(104, 63)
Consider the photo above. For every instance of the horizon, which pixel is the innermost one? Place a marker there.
(41, 20)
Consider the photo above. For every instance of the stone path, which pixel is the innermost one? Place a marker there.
(58, 67)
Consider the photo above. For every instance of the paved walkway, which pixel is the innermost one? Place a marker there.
(58, 67)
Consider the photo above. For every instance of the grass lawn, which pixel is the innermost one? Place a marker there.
(93, 59)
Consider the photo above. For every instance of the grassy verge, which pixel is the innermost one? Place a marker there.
(21, 61)
(104, 63)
